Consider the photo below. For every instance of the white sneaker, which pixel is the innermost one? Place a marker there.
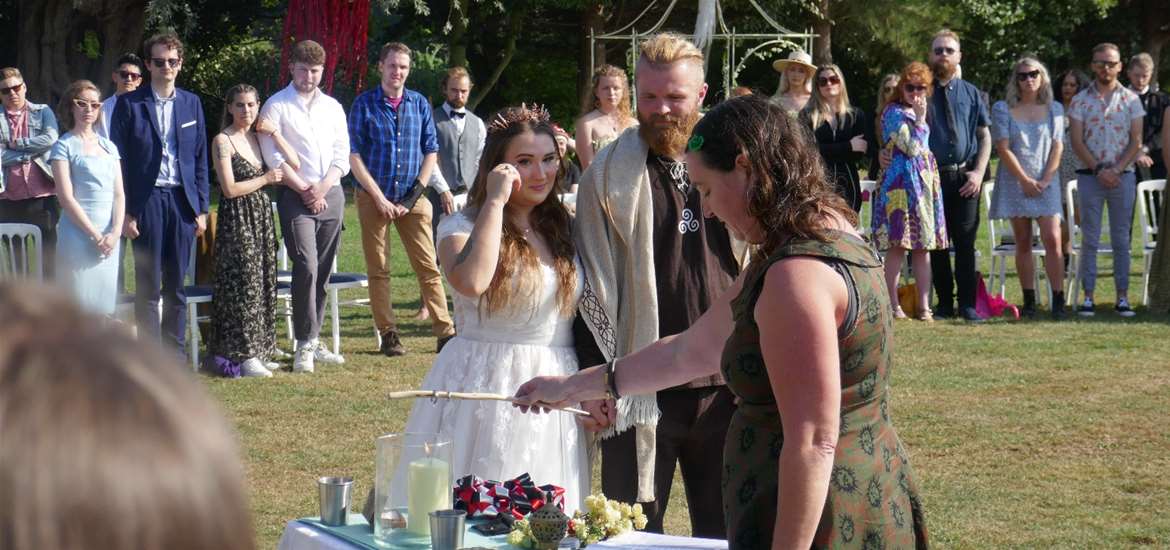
(325, 356)
(280, 355)
(272, 366)
(253, 367)
(303, 358)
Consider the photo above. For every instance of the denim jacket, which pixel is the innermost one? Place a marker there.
(42, 131)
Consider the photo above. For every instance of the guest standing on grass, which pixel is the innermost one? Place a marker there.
(127, 76)
(1028, 130)
(610, 115)
(812, 459)
(27, 134)
(961, 143)
(393, 151)
(1105, 123)
(312, 202)
(840, 131)
(908, 205)
(89, 188)
(244, 311)
(160, 132)
(796, 87)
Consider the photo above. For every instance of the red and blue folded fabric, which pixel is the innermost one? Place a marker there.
(516, 497)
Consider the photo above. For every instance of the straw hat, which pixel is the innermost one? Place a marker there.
(797, 57)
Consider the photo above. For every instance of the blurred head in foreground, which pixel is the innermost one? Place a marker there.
(105, 441)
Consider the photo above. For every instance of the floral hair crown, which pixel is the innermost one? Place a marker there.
(506, 117)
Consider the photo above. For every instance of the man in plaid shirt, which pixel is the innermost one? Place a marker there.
(393, 149)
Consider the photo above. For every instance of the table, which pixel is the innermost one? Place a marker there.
(308, 534)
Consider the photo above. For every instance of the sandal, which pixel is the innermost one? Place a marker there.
(899, 314)
(925, 315)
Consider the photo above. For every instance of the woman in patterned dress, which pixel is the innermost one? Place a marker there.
(804, 338)
(244, 310)
(908, 208)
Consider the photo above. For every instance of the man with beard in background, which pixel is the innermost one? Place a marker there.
(961, 142)
(654, 264)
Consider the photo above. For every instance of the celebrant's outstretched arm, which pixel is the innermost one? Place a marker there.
(670, 361)
(469, 261)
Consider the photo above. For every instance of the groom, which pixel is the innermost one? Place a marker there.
(654, 265)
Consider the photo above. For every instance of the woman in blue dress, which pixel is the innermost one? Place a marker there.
(1028, 130)
(88, 177)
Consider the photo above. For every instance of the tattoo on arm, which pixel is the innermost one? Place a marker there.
(463, 254)
(221, 152)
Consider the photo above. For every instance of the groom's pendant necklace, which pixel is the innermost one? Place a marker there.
(678, 174)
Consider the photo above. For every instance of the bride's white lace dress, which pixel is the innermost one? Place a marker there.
(495, 354)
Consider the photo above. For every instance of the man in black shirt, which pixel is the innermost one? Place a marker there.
(655, 264)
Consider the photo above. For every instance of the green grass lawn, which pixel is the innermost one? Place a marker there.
(1024, 435)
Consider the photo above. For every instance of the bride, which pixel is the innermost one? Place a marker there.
(509, 256)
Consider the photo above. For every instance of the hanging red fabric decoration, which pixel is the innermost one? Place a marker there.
(340, 26)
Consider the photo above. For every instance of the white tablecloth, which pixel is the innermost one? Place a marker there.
(299, 536)
(636, 540)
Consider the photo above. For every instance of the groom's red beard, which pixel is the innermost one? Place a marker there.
(667, 134)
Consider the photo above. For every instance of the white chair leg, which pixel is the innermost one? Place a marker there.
(1146, 279)
(1003, 276)
(193, 340)
(336, 313)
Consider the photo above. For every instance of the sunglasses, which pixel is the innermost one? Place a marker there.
(826, 80)
(172, 62)
(1027, 75)
(914, 88)
(129, 76)
(86, 105)
(1106, 64)
(11, 89)
(945, 50)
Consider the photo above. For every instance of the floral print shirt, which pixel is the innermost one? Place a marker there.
(1107, 120)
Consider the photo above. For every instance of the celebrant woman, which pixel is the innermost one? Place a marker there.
(509, 257)
(803, 338)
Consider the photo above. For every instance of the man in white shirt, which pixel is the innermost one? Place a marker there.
(127, 75)
(461, 138)
(312, 206)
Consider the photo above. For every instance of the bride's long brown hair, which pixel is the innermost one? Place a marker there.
(549, 219)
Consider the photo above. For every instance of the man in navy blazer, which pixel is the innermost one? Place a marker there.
(160, 133)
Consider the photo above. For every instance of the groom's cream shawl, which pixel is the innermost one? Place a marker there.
(614, 233)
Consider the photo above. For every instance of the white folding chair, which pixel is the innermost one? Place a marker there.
(339, 281)
(1000, 248)
(1072, 201)
(21, 252)
(1149, 192)
(194, 295)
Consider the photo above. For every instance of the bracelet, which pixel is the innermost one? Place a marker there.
(611, 380)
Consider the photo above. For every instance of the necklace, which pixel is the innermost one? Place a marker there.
(677, 171)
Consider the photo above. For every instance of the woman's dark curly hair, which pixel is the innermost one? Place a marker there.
(790, 196)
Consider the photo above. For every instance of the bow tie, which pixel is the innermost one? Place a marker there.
(458, 114)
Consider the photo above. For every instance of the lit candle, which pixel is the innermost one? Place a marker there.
(428, 489)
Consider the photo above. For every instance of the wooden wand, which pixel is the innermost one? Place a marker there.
(434, 395)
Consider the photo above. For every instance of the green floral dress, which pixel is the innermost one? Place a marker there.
(873, 497)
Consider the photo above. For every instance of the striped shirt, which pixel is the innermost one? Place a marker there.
(392, 142)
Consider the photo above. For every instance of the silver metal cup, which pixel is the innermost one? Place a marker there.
(336, 493)
(447, 528)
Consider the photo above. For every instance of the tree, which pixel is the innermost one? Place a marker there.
(59, 41)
